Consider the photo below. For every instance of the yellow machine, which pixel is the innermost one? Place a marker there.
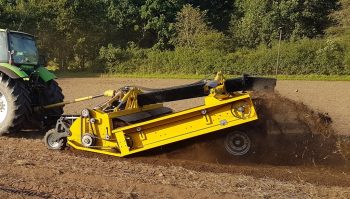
(132, 121)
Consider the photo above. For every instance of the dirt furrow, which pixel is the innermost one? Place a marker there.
(74, 175)
(301, 157)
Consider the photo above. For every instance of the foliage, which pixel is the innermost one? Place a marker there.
(254, 25)
(190, 24)
(342, 15)
(342, 19)
(259, 21)
(187, 36)
(297, 58)
(158, 17)
(193, 31)
(347, 62)
(218, 12)
(120, 60)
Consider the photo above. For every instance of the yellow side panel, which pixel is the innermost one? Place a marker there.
(215, 115)
(193, 124)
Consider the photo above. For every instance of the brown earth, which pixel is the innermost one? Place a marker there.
(301, 156)
(330, 97)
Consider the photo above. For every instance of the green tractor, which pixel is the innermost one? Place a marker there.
(25, 83)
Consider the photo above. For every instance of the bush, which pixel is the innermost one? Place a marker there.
(329, 58)
(346, 62)
(317, 56)
(296, 58)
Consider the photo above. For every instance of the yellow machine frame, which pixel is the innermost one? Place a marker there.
(220, 111)
(131, 121)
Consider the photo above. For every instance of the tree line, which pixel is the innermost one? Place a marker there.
(126, 35)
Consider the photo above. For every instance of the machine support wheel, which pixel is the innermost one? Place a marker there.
(238, 143)
(15, 104)
(54, 141)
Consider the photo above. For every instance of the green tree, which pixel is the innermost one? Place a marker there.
(254, 23)
(81, 23)
(124, 21)
(307, 18)
(342, 15)
(342, 20)
(158, 17)
(193, 31)
(218, 12)
(190, 22)
(258, 21)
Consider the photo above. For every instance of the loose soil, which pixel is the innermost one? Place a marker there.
(301, 153)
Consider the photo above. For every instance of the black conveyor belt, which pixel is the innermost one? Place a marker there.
(197, 89)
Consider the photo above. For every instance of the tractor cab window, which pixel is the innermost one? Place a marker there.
(3, 48)
(23, 49)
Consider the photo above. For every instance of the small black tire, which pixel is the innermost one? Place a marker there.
(238, 143)
(51, 141)
(15, 104)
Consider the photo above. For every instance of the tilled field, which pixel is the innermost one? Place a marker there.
(302, 156)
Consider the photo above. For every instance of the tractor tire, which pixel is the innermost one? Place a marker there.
(15, 105)
(50, 94)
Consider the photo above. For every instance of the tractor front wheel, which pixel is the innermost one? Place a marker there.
(15, 104)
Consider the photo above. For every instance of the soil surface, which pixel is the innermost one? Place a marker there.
(330, 97)
(302, 155)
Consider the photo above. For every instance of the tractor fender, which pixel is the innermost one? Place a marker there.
(45, 74)
(12, 71)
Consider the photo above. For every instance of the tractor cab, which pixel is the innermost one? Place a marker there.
(18, 48)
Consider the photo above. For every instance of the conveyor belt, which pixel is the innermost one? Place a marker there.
(195, 90)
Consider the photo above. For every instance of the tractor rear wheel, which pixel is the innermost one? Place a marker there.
(15, 104)
(50, 94)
